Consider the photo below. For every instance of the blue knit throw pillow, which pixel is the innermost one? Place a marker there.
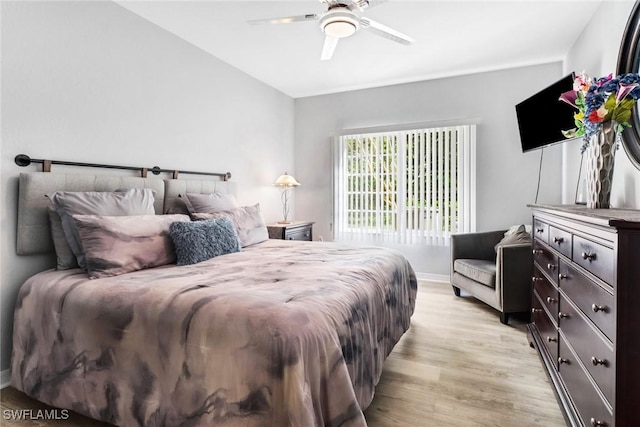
(202, 240)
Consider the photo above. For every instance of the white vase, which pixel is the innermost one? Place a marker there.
(599, 163)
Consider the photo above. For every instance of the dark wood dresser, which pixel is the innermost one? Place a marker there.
(586, 311)
(297, 230)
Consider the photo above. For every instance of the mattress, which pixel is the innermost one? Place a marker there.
(280, 334)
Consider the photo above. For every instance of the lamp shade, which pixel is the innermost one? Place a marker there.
(286, 180)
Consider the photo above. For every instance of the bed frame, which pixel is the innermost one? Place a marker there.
(99, 341)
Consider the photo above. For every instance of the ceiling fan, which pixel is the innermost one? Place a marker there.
(340, 21)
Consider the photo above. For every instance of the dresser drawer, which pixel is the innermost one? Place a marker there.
(547, 260)
(546, 328)
(547, 292)
(560, 240)
(595, 353)
(541, 230)
(298, 233)
(584, 395)
(593, 300)
(299, 230)
(596, 258)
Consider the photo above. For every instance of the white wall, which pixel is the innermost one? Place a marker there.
(91, 81)
(506, 178)
(596, 52)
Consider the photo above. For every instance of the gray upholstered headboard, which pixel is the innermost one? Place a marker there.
(34, 234)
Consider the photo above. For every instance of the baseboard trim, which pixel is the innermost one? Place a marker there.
(5, 378)
(444, 278)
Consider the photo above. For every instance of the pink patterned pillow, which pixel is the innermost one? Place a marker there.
(115, 245)
(247, 220)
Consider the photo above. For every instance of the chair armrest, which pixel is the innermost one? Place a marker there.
(514, 267)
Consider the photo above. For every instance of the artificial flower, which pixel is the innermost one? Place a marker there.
(607, 99)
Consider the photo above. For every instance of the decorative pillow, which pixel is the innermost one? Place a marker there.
(247, 220)
(68, 203)
(199, 241)
(179, 208)
(208, 203)
(65, 259)
(115, 245)
(516, 228)
(516, 236)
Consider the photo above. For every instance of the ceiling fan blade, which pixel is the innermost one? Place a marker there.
(384, 31)
(374, 3)
(365, 4)
(285, 20)
(329, 46)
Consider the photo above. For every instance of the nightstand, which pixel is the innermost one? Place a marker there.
(297, 230)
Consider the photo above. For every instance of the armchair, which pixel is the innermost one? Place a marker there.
(501, 280)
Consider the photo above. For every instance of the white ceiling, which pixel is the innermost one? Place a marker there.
(451, 38)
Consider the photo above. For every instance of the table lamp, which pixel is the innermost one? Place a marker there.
(286, 181)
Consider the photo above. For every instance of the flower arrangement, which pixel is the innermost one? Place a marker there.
(602, 100)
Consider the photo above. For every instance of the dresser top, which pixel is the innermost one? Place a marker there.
(619, 218)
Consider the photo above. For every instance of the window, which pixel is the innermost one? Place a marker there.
(407, 187)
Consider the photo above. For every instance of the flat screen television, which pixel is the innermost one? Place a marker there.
(542, 117)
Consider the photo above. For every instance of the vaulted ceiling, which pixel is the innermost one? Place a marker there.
(451, 38)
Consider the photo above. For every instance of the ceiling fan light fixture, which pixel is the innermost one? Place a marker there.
(339, 29)
(339, 23)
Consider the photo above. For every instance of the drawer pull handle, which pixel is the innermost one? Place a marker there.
(537, 279)
(539, 230)
(536, 310)
(597, 361)
(558, 240)
(551, 266)
(562, 276)
(562, 315)
(596, 423)
(588, 256)
(551, 300)
(596, 308)
(561, 361)
(537, 251)
(552, 339)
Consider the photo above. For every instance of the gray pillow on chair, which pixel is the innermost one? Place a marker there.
(68, 203)
(514, 236)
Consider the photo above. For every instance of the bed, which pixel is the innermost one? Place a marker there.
(278, 334)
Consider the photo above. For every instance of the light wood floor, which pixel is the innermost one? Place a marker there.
(457, 366)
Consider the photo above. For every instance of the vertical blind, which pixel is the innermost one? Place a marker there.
(406, 187)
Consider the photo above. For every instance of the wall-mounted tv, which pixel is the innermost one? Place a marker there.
(542, 117)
